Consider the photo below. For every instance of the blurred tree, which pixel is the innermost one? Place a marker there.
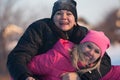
(6, 12)
(111, 26)
(83, 22)
(7, 16)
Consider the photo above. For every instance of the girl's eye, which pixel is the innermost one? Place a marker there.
(97, 51)
(89, 46)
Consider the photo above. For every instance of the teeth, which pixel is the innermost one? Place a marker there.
(63, 23)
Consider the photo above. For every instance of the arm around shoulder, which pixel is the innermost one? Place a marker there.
(26, 48)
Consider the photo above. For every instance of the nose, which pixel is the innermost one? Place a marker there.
(91, 52)
(64, 16)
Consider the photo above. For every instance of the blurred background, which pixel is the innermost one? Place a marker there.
(17, 15)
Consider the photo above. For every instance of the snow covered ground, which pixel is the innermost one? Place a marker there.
(114, 52)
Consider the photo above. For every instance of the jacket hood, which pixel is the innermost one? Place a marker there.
(63, 46)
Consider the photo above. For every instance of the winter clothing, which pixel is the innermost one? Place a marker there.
(99, 38)
(103, 42)
(38, 38)
(57, 60)
(54, 62)
(113, 74)
(69, 5)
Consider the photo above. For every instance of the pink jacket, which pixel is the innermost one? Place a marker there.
(113, 74)
(54, 62)
(57, 61)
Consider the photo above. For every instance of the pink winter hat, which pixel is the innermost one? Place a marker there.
(99, 38)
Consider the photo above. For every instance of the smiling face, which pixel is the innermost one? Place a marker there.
(91, 52)
(64, 20)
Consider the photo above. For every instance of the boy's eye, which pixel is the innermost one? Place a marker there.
(58, 13)
(69, 13)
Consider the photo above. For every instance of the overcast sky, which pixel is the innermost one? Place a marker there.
(96, 10)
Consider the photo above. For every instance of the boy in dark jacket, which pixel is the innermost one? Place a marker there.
(41, 35)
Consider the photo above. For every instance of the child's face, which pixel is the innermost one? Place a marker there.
(91, 52)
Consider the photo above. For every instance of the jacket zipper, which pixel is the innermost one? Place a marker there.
(66, 35)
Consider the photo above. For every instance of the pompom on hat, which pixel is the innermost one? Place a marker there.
(99, 38)
(69, 5)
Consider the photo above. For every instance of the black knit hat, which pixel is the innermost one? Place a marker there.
(69, 5)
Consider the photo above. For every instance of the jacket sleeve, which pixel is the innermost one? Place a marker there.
(40, 64)
(36, 65)
(105, 65)
(26, 48)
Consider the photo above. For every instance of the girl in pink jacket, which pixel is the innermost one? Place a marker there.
(67, 57)
(103, 43)
(54, 62)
